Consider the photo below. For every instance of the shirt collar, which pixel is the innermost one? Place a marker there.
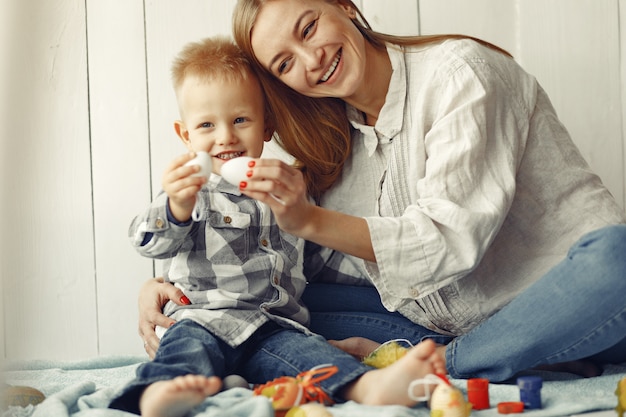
(220, 184)
(391, 115)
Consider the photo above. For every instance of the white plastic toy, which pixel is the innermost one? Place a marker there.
(204, 160)
(444, 401)
(234, 170)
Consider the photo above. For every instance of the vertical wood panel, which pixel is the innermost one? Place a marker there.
(398, 17)
(47, 257)
(492, 20)
(574, 53)
(572, 47)
(622, 71)
(121, 164)
(7, 27)
(169, 26)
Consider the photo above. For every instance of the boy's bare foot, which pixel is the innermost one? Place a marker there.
(390, 385)
(176, 397)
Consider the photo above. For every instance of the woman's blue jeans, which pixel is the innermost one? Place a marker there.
(271, 352)
(576, 311)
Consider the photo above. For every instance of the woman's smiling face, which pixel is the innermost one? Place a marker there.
(312, 46)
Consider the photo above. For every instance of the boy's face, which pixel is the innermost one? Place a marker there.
(224, 118)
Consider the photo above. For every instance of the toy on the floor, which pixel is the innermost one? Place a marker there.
(287, 392)
(621, 397)
(234, 381)
(511, 407)
(530, 391)
(478, 393)
(445, 401)
(387, 353)
(19, 396)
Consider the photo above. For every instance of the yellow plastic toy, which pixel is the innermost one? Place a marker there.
(621, 397)
(387, 353)
(445, 401)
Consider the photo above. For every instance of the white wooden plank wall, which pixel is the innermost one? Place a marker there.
(87, 115)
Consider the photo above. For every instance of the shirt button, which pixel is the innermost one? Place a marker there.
(413, 292)
(228, 220)
(276, 280)
(264, 242)
(159, 223)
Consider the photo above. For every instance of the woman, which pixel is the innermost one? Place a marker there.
(459, 196)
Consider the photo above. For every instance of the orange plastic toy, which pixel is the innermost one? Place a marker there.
(287, 391)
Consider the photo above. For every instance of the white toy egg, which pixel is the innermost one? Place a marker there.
(448, 401)
(204, 160)
(234, 170)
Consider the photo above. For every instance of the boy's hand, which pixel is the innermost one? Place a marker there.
(181, 187)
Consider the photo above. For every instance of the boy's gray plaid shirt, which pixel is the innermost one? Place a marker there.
(235, 265)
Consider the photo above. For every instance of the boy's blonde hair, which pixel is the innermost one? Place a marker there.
(211, 58)
(217, 58)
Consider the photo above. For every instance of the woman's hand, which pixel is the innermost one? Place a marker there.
(153, 295)
(281, 187)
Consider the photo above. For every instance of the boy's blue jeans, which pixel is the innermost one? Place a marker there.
(271, 352)
(577, 310)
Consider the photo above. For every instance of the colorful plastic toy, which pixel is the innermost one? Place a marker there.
(287, 392)
(387, 353)
(621, 397)
(530, 391)
(445, 401)
(19, 396)
(478, 393)
(512, 407)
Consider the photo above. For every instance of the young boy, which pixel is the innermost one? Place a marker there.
(242, 275)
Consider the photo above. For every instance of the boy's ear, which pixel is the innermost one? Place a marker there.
(182, 132)
(269, 130)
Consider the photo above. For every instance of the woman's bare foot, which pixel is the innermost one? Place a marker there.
(176, 397)
(359, 347)
(390, 385)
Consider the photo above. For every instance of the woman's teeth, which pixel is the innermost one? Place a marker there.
(332, 68)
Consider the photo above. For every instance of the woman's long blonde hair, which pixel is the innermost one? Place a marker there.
(315, 131)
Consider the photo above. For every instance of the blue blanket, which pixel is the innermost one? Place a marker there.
(84, 388)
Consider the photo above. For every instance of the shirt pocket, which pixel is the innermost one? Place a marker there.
(291, 246)
(227, 237)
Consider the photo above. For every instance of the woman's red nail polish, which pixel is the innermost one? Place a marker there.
(249, 174)
(185, 300)
(243, 184)
(251, 164)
